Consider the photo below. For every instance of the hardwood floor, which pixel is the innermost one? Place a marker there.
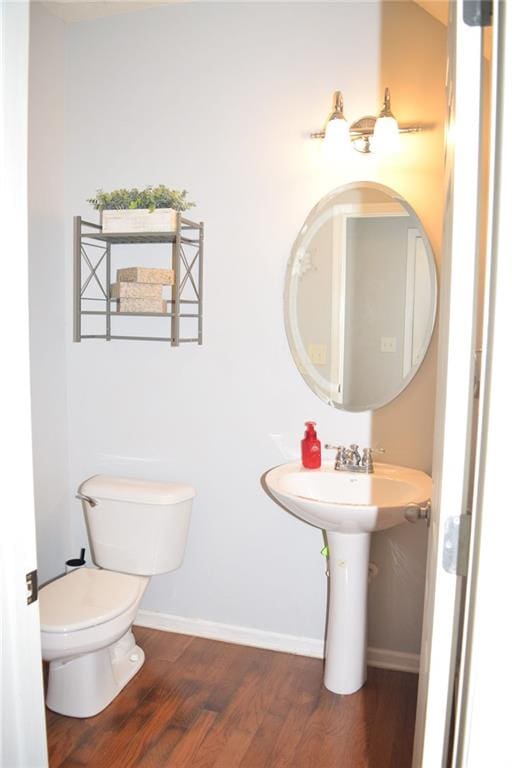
(204, 704)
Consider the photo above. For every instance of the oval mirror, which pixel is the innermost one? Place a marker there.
(360, 296)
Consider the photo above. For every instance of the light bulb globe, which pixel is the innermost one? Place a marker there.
(386, 136)
(337, 136)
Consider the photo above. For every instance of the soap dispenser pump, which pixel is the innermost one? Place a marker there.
(311, 449)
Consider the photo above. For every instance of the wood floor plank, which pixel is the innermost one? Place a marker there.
(62, 738)
(204, 663)
(83, 737)
(308, 685)
(228, 742)
(145, 728)
(199, 703)
(240, 701)
(159, 753)
(363, 722)
(162, 645)
(342, 721)
(381, 734)
(261, 744)
(405, 723)
(183, 754)
(391, 728)
(228, 670)
(285, 698)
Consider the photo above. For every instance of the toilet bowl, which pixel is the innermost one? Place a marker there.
(86, 619)
(138, 528)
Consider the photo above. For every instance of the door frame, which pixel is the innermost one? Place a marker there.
(463, 720)
(482, 721)
(454, 395)
(23, 727)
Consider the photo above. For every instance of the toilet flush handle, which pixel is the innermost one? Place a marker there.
(88, 499)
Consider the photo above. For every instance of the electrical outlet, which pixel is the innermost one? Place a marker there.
(373, 570)
(388, 343)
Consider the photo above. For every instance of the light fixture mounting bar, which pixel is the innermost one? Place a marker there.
(356, 133)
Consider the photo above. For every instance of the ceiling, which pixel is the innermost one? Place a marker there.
(437, 8)
(75, 10)
(72, 11)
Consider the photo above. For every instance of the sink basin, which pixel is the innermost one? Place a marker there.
(349, 502)
(349, 506)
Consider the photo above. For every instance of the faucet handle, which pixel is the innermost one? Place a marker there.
(369, 451)
(340, 454)
(367, 460)
(354, 455)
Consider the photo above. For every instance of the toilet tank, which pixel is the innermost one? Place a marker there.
(136, 526)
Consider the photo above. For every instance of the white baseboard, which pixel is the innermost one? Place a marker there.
(398, 660)
(274, 641)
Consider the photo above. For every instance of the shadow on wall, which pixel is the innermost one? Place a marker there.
(413, 62)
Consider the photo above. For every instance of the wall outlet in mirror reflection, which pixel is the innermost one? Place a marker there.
(388, 343)
(317, 354)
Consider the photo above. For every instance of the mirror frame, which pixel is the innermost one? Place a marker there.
(312, 378)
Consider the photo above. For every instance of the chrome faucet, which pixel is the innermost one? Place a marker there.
(351, 460)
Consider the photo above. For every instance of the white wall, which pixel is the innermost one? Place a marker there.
(220, 99)
(217, 99)
(47, 257)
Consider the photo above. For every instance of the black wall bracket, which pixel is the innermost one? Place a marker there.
(477, 13)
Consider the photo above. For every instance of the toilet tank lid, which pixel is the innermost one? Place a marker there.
(138, 491)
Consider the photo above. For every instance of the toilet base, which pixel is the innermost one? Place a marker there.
(83, 686)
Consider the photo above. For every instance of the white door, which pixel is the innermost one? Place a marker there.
(23, 734)
(455, 401)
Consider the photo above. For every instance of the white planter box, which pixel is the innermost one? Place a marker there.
(139, 220)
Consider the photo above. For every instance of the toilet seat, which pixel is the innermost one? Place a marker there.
(97, 614)
(86, 598)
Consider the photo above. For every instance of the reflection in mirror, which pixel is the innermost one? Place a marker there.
(360, 297)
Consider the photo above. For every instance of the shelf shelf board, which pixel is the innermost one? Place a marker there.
(128, 238)
(133, 314)
(113, 337)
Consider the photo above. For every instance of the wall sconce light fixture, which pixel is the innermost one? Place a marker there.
(368, 134)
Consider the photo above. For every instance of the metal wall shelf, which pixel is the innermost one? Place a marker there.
(93, 254)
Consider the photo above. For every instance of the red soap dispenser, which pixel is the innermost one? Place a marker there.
(311, 449)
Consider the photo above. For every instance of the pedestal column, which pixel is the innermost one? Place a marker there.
(345, 653)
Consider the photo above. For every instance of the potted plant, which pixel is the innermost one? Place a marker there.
(152, 209)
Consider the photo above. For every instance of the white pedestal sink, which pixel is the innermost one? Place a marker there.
(349, 506)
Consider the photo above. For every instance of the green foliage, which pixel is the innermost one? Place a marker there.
(149, 197)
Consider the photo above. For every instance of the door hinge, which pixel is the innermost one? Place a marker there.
(477, 357)
(32, 590)
(456, 545)
(477, 13)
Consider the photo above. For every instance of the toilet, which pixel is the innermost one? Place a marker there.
(137, 528)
